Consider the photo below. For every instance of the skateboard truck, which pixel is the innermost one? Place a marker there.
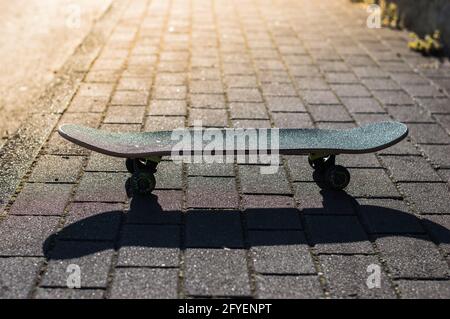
(142, 180)
(335, 176)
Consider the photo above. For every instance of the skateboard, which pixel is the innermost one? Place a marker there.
(143, 150)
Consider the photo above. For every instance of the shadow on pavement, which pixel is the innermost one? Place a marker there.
(146, 224)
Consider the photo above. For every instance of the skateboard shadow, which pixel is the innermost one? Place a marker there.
(340, 220)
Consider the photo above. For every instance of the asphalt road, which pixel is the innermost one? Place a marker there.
(37, 36)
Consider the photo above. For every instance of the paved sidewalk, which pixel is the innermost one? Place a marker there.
(226, 230)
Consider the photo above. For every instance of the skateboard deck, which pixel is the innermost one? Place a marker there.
(143, 150)
(364, 139)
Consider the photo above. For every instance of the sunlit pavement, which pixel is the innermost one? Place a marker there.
(226, 230)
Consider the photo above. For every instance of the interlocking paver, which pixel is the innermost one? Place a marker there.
(288, 287)
(337, 234)
(253, 182)
(149, 245)
(25, 235)
(67, 293)
(17, 276)
(410, 168)
(148, 283)
(412, 257)
(388, 216)
(216, 272)
(278, 252)
(347, 277)
(52, 199)
(93, 258)
(106, 187)
(428, 198)
(371, 183)
(424, 289)
(62, 169)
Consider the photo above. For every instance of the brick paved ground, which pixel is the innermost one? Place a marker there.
(227, 230)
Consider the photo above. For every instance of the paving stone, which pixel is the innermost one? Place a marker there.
(438, 227)
(93, 258)
(168, 175)
(412, 257)
(216, 272)
(68, 293)
(369, 72)
(358, 160)
(435, 105)
(88, 104)
(164, 123)
(17, 276)
(444, 120)
(347, 277)
(241, 81)
(280, 252)
(149, 245)
(124, 115)
(212, 192)
(341, 78)
(208, 117)
(253, 182)
(370, 183)
(313, 200)
(337, 234)
(428, 198)
(423, 90)
(215, 229)
(251, 124)
(350, 90)
(424, 289)
(388, 216)
(42, 199)
(248, 111)
(172, 92)
(410, 114)
(92, 221)
(244, 95)
(285, 104)
(211, 170)
(381, 84)
(162, 207)
(329, 113)
(130, 98)
(210, 101)
(319, 97)
(393, 97)
(292, 120)
(103, 76)
(144, 283)
(168, 107)
(134, 84)
(288, 287)
(405, 147)
(278, 89)
(206, 87)
(362, 105)
(410, 168)
(270, 212)
(171, 78)
(25, 235)
(50, 168)
(104, 187)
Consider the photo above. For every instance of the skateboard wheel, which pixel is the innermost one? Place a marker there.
(337, 177)
(129, 163)
(143, 183)
(321, 163)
